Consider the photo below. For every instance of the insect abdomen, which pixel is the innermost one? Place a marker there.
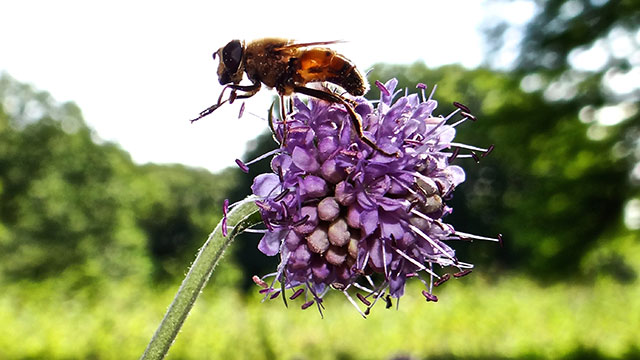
(323, 64)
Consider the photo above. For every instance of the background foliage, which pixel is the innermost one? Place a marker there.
(92, 246)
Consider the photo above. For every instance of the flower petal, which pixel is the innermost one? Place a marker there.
(305, 160)
(270, 242)
(265, 184)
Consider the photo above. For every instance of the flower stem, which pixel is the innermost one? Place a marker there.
(242, 216)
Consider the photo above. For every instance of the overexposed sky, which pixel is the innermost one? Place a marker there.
(139, 70)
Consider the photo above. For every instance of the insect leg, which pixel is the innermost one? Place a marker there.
(283, 116)
(334, 98)
(249, 91)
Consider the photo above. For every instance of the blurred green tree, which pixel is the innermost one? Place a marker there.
(582, 57)
(74, 205)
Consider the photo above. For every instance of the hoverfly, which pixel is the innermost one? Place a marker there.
(287, 67)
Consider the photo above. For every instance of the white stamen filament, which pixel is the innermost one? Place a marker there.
(255, 231)
(416, 263)
(432, 92)
(266, 155)
(468, 147)
(433, 243)
(421, 215)
(472, 236)
(354, 303)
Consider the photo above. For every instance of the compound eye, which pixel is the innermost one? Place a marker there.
(232, 55)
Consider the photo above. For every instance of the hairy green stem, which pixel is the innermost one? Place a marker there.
(242, 216)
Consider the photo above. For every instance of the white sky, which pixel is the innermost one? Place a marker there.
(139, 70)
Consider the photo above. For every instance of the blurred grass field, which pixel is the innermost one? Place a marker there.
(476, 317)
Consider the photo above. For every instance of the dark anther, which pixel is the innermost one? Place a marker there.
(296, 294)
(301, 221)
(337, 286)
(489, 150)
(442, 280)
(461, 107)
(430, 297)
(306, 305)
(242, 166)
(241, 112)
(475, 157)
(462, 273)
(363, 299)
(454, 155)
(500, 239)
(281, 195)
(256, 279)
(232, 97)
(367, 311)
(382, 88)
(280, 174)
(275, 295)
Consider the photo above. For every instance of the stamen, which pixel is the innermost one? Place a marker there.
(276, 294)
(257, 231)
(416, 263)
(454, 155)
(462, 273)
(464, 235)
(225, 207)
(301, 221)
(285, 210)
(263, 156)
(442, 280)
(470, 116)
(280, 269)
(412, 142)
(475, 157)
(242, 166)
(384, 260)
(364, 315)
(432, 92)
(461, 107)
(459, 122)
(256, 279)
(363, 288)
(489, 150)
(433, 243)
(296, 294)
(382, 88)
(423, 216)
(281, 195)
(430, 297)
(241, 110)
(468, 147)
(363, 299)
(307, 304)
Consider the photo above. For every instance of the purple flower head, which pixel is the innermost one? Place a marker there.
(342, 215)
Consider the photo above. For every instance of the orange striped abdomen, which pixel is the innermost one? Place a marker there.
(324, 64)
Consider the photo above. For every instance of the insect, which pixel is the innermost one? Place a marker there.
(288, 66)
